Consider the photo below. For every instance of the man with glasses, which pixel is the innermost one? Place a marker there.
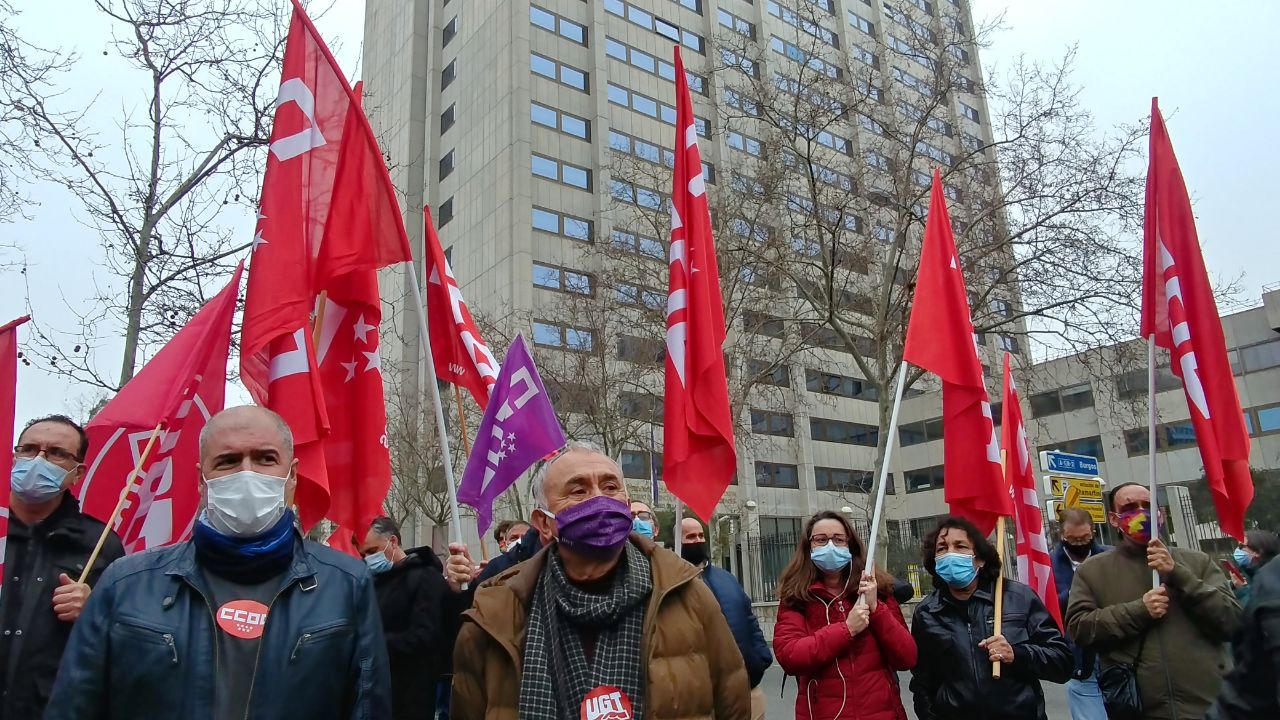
(48, 543)
(1175, 636)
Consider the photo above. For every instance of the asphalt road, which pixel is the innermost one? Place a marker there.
(784, 708)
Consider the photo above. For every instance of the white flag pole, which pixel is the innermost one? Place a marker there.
(884, 470)
(1151, 447)
(455, 521)
(678, 532)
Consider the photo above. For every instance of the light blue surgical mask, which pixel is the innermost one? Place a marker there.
(36, 480)
(643, 527)
(378, 562)
(830, 557)
(1242, 557)
(956, 569)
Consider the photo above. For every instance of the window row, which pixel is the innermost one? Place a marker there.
(743, 27)
(654, 66)
(1061, 400)
(561, 26)
(556, 223)
(765, 422)
(645, 105)
(569, 174)
(561, 121)
(560, 72)
(649, 297)
(843, 431)
(840, 385)
(921, 431)
(1091, 446)
(643, 351)
(647, 20)
(567, 337)
(551, 277)
(651, 152)
(799, 55)
(633, 194)
(638, 244)
(790, 17)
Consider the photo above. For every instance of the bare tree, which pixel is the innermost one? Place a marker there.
(161, 193)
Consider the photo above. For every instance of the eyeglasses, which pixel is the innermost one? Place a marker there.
(53, 452)
(1127, 507)
(839, 540)
(644, 515)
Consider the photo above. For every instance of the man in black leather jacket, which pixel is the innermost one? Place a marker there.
(1251, 691)
(182, 632)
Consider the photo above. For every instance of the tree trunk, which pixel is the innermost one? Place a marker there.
(133, 310)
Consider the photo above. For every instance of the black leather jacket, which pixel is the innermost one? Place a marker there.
(952, 680)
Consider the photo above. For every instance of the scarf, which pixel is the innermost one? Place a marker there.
(248, 560)
(556, 674)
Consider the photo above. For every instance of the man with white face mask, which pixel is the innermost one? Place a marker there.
(48, 543)
(244, 620)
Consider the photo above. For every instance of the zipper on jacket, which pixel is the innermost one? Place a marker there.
(173, 646)
(257, 655)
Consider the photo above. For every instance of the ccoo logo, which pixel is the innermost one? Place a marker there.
(244, 619)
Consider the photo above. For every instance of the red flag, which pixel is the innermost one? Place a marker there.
(327, 208)
(183, 386)
(699, 459)
(940, 339)
(461, 355)
(1034, 565)
(8, 407)
(340, 540)
(1179, 310)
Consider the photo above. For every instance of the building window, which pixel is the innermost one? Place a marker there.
(828, 5)
(448, 74)
(840, 431)
(1268, 420)
(923, 5)
(777, 475)
(1169, 436)
(645, 105)
(930, 478)
(1091, 446)
(567, 337)
(626, 192)
(1008, 343)
(446, 119)
(737, 24)
(444, 213)
(647, 20)
(645, 351)
(652, 65)
(552, 169)
(789, 16)
(758, 323)
(878, 160)
(552, 277)
(450, 32)
(639, 244)
(639, 464)
(562, 121)
(631, 294)
(764, 422)
(970, 112)
(1134, 384)
(920, 432)
(842, 480)
(1261, 356)
(742, 64)
(768, 373)
(552, 22)
(640, 406)
(574, 228)
(561, 73)
(839, 385)
(807, 59)
(862, 23)
(446, 165)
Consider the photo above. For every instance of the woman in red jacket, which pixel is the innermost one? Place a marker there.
(845, 654)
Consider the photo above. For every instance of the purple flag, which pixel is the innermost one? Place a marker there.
(519, 428)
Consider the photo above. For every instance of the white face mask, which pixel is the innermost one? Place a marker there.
(244, 503)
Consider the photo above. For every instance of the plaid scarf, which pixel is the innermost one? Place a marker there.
(556, 676)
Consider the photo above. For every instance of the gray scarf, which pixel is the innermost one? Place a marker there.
(556, 675)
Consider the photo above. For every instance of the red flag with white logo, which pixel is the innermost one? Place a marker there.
(1178, 308)
(461, 355)
(699, 459)
(8, 407)
(181, 387)
(1034, 565)
(940, 339)
(327, 208)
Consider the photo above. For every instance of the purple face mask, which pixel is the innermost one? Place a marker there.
(597, 527)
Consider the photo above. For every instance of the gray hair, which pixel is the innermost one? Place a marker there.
(286, 435)
(385, 527)
(541, 469)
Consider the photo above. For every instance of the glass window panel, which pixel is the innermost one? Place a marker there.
(542, 66)
(573, 31)
(546, 167)
(615, 49)
(577, 282)
(643, 60)
(543, 115)
(542, 18)
(577, 228)
(573, 77)
(546, 334)
(619, 95)
(577, 177)
(547, 277)
(639, 17)
(546, 221)
(579, 339)
(1269, 419)
(644, 105)
(668, 115)
(667, 30)
(576, 127)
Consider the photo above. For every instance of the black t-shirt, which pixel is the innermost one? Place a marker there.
(240, 613)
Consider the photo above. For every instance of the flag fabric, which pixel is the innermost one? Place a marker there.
(340, 540)
(940, 339)
(699, 459)
(518, 428)
(8, 408)
(327, 208)
(1035, 568)
(181, 387)
(460, 353)
(1179, 310)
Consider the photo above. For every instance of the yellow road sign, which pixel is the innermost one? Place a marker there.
(1097, 512)
(1085, 490)
(1090, 488)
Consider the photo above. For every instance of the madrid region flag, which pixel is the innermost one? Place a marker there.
(940, 339)
(327, 209)
(179, 389)
(1179, 312)
(699, 458)
(8, 406)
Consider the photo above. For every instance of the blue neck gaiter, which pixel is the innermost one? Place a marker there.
(247, 560)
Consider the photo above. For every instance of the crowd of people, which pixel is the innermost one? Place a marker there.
(583, 613)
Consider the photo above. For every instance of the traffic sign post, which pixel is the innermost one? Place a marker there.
(1061, 463)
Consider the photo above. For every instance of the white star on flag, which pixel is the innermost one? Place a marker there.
(502, 455)
(953, 262)
(362, 329)
(350, 367)
(375, 361)
(258, 240)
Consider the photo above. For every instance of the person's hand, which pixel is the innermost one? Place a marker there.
(1157, 602)
(859, 618)
(69, 598)
(1159, 558)
(998, 649)
(460, 569)
(867, 589)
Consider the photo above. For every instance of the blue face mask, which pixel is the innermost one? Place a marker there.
(830, 557)
(642, 527)
(36, 480)
(378, 562)
(1242, 558)
(956, 569)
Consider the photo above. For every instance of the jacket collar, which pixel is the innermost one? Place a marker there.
(184, 565)
(60, 521)
(942, 598)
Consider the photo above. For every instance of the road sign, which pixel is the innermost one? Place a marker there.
(1083, 490)
(1056, 485)
(1097, 512)
(1053, 461)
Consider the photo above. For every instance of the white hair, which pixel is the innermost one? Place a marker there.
(540, 470)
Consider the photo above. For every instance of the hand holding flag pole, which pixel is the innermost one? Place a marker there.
(124, 496)
(999, 609)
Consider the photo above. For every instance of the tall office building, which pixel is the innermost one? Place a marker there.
(512, 119)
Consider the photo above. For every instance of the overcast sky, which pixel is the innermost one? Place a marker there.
(1214, 67)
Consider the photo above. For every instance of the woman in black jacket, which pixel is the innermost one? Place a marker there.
(954, 629)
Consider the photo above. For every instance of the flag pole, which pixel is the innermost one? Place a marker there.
(1151, 448)
(466, 450)
(424, 336)
(678, 531)
(999, 614)
(124, 495)
(878, 513)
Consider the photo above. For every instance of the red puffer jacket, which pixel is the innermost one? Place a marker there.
(843, 677)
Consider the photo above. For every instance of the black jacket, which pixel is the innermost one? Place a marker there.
(1064, 573)
(528, 546)
(738, 612)
(1251, 691)
(33, 638)
(145, 646)
(952, 679)
(411, 600)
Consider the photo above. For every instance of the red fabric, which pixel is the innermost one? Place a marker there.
(699, 459)
(182, 386)
(1035, 567)
(327, 208)
(460, 353)
(340, 540)
(8, 407)
(940, 339)
(1179, 310)
(834, 669)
